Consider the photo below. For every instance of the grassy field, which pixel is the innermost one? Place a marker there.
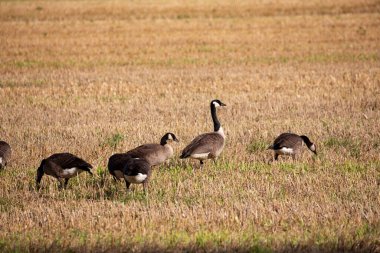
(98, 77)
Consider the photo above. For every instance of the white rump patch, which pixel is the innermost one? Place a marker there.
(138, 179)
(67, 173)
(285, 151)
(118, 174)
(201, 156)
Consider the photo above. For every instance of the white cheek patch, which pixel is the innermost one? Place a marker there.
(200, 156)
(216, 104)
(312, 148)
(170, 137)
(285, 151)
(1, 160)
(118, 174)
(138, 179)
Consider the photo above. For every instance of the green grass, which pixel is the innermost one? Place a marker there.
(189, 60)
(114, 140)
(353, 167)
(257, 146)
(352, 146)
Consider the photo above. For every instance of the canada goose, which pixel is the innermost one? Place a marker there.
(5, 154)
(116, 164)
(154, 154)
(207, 145)
(62, 166)
(137, 171)
(290, 144)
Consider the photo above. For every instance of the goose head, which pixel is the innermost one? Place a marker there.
(168, 137)
(217, 103)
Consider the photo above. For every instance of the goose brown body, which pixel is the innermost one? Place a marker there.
(207, 145)
(5, 154)
(154, 154)
(290, 144)
(137, 171)
(204, 146)
(62, 166)
(116, 164)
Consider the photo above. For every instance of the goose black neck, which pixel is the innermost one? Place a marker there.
(42, 163)
(164, 140)
(40, 170)
(215, 118)
(306, 140)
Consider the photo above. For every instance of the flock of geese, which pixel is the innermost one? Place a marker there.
(135, 166)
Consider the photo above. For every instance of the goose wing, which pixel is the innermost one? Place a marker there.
(134, 166)
(287, 140)
(67, 160)
(143, 150)
(204, 143)
(5, 150)
(117, 162)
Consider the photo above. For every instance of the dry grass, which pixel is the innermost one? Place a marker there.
(98, 77)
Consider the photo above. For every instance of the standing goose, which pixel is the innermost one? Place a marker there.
(154, 154)
(137, 171)
(62, 166)
(290, 144)
(5, 154)
(207, 145)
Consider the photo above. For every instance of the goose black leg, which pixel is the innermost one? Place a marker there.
(61, 184)
(145, 183)
(66, 182)
(40, 173)
(276, 157)
(145, 186)
(127, 184)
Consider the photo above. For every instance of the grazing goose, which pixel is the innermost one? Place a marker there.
(290, 144)
(154, 154)
(5, 154)
(116, 164)
(137, 171)
(62, 166)
(208, 145)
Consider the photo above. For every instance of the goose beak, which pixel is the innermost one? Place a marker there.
(223, 104)
(315, 152)
(176, 140)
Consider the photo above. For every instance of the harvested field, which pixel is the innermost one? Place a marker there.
(99, 77)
